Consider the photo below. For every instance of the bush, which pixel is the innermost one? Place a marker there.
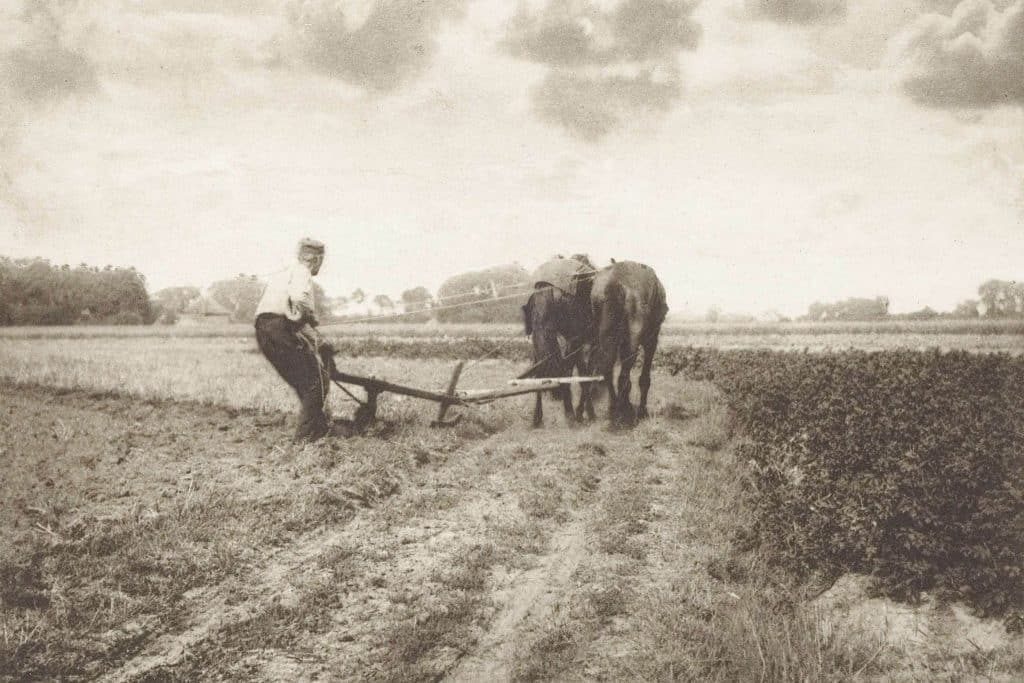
(125, 318)
(903, 465)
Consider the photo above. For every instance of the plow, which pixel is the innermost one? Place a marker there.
(451, 396)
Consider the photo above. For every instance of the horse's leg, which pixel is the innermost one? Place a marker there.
(627, 357)
(603, 359)
(584, 397)
(538, 411)
(586, 403)
(609, 385)
(566, 395)
(650, 344)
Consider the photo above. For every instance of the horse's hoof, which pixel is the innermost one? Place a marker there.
(641, 413)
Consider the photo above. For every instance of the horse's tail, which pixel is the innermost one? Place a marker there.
(610, 319)
(660, 305)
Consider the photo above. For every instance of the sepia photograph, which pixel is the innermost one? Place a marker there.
(511, 340)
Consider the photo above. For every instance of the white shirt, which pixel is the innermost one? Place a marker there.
(289, 293)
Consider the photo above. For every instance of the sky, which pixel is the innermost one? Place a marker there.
(758, 154)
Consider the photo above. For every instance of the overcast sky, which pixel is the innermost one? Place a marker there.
(759, 154)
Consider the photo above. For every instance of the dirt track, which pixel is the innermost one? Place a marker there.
(483, 552)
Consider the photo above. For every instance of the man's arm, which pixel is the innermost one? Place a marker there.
(300, 297)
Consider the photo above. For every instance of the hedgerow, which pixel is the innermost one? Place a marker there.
(904, 465)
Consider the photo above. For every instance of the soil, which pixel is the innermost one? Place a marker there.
(403, 554)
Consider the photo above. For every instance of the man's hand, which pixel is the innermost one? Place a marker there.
(323, 348)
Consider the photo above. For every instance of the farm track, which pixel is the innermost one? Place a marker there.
(455, 556)
(527, 598)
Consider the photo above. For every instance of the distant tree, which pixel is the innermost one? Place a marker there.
(334, 308)
(384, 302)
(168, 317)
(417, 302)
(240, 295)
(850, 309)
(417, 299)
(479, 289)
(321, 302)
(176, 299)
(926, 313)
(817, 311)
(713, 314)
(1002, 298)
(358, 296)
(966, 309)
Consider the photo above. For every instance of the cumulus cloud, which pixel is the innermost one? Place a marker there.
(570, 33)
(973, 58)
(797, 11)
(40, 61)
(608, 63)
(592, 106)
(393, 44)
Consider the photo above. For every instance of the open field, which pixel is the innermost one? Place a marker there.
(879, 334)
(1003, 336)
(158, 525)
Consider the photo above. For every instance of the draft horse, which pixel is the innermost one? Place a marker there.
(628, 308)
(558, 320)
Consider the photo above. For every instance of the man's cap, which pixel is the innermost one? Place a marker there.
(308, 245)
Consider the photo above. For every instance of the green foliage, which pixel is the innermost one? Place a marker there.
(35, 292)
(907, 466)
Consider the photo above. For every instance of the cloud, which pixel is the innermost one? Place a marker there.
(593, 106)
(797, 11)
(41, 65)
(49, 73)
(973, 58)
(607, 63)
(394, 43)
(40, 62)
(569, 33)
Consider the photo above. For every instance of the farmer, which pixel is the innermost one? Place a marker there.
(287, 336)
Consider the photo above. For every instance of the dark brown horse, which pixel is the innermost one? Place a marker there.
(628, 307)
(558, 319)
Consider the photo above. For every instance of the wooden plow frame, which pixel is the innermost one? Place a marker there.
(367, 411)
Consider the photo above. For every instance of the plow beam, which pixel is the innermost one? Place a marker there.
(520, 387)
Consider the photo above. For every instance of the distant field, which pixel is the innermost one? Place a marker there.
(971, 335)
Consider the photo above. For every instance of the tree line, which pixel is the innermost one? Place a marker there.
(478, 296)
(35, 292)
(996, 299)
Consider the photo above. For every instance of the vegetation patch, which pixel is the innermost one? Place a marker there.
(905, 466)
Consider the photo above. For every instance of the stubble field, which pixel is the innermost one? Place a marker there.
(159, 525)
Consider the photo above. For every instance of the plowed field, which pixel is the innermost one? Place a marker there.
(157, 524)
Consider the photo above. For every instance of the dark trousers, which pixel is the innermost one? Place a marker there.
(296, 362)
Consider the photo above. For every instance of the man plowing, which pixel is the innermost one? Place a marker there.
(286, 333)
